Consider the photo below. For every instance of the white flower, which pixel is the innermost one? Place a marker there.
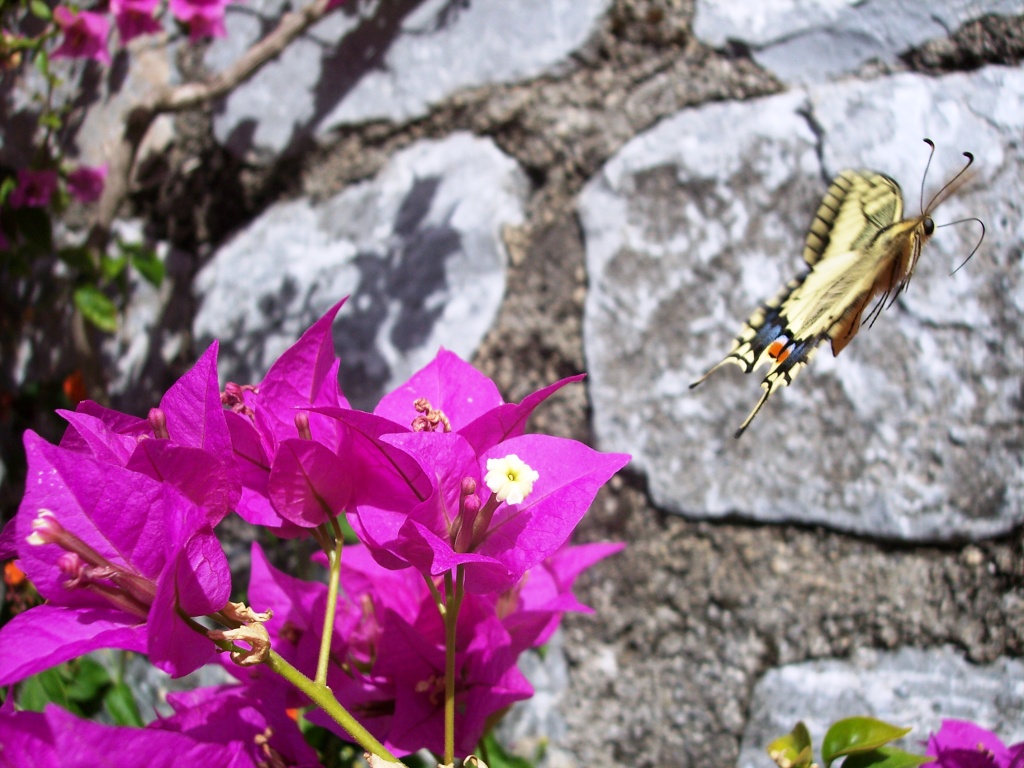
(510, 479)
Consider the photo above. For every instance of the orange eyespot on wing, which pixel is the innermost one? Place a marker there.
(778, 351)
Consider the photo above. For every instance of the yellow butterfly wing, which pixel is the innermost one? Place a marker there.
(879, 202)
(856, 248)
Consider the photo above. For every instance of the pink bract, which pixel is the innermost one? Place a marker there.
(85, 35)
(135, 18)
(86, 183)
(34, 190)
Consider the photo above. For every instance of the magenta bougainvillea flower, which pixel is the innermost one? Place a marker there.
(533, 608)
(205, 18)
(119, 557)
(85, 35)
(116, 532)
(238, 715)
(298, 608)
(388, 654)
(185, 441)
(86, 182)
(387, 650)
(451, 467)
(34, 190)
(55, 738)
(487, 680)
(292, 476)
(135, 18)
(963, 744)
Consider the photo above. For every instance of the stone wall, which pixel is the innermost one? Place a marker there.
(552, 186)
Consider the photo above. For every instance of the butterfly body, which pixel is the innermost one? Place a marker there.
(858, 249)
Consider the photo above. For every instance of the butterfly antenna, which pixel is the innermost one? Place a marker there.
(942, 194)
(924, 176)
(976, 247)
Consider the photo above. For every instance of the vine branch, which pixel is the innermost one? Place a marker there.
(188, 96)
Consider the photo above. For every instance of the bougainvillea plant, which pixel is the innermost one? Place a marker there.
(410, 639)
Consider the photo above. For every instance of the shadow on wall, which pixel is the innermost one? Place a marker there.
(401, 291)
(362, 50)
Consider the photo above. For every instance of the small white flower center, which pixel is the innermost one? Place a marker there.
(510, 478)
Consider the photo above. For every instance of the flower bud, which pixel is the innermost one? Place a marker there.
(45, 529)
(71, 565)
(158, 422)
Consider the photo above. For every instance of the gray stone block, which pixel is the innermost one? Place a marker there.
(418, 248)
(915, 431)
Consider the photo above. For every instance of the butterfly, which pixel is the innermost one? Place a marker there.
(859, 247)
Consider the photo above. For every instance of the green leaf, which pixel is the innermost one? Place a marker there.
(51, 120)
(39, 690)
(79, 257)
(857, 734)
(112, 266)
(41, 10)
(120, 704)
(96, 308)
(42, 62)
(886, 757)
(792, 750)
(8, 185)
(86, 680)
(497, 757)
(147, 263)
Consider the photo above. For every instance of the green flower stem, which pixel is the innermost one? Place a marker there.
(438, 600)
(321, 695)
(332, 605)
(451, 617)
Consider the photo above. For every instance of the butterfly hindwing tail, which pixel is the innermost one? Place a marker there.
(760, 330)
(765, 339)
(789, 359)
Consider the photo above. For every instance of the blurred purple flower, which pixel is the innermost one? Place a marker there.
(487, 681)
(298, 608)
(239, 716)
(86, 182)
(389, 659)
(205, 18)
(135, 18)
(532, 610)
(34, 190)
(85, 35)
(388, 648)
